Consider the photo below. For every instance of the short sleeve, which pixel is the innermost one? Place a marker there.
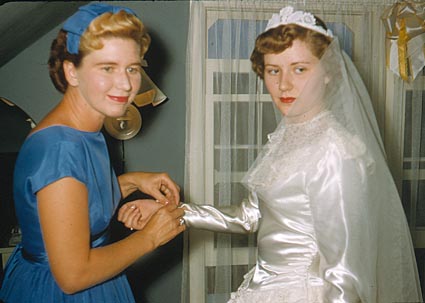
(59, 160)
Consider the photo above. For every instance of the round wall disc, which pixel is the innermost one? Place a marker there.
(125, 127)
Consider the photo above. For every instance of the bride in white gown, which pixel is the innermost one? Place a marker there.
(330, 223)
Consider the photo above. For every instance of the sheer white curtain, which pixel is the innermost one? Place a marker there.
(405, 129)
(405, 144)
(405, 96)
(229, 115)
(223, 135)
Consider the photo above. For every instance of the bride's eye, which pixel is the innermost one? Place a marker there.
(300, 70)
(107, 68)
(272, 71)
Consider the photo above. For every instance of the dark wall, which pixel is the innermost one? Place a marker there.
(160, 144)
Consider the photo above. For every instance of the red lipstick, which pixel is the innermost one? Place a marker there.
(119, 99)
(287, 100)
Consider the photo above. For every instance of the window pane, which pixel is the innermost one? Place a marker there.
(231, 83)
(246, 30)
(235, 271)
(237, 240)
(238, 193)
(235, 118)
(408, 130)
(240, 159)
(239, 118)
(420, 207)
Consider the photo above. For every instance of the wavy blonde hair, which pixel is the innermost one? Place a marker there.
(108, 25)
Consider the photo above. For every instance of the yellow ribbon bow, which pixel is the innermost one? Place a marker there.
(405, 26)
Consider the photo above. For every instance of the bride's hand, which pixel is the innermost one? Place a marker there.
(135, 214)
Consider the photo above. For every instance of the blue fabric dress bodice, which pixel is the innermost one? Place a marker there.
(46, 156)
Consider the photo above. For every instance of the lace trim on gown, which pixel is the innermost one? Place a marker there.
(293, 293)
(292, 143)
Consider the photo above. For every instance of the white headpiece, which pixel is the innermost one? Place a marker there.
(287, 15)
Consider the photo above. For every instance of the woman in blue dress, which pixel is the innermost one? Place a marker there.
(65, 189)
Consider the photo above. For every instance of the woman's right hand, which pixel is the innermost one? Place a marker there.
(164, 225)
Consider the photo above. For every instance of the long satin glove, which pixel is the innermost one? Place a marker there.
(235, 219)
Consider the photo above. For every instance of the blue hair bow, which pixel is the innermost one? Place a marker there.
(78, 23)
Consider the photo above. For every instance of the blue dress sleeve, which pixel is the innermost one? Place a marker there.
(56, 161)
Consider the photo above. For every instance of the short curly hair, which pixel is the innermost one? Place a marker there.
(107, 25)
(276, 40)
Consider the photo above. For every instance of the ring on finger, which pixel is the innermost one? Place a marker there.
(181, 221)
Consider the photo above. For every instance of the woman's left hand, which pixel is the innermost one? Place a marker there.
(135, 214)
(157, 185)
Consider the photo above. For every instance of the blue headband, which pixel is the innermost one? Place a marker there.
(78, 23)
